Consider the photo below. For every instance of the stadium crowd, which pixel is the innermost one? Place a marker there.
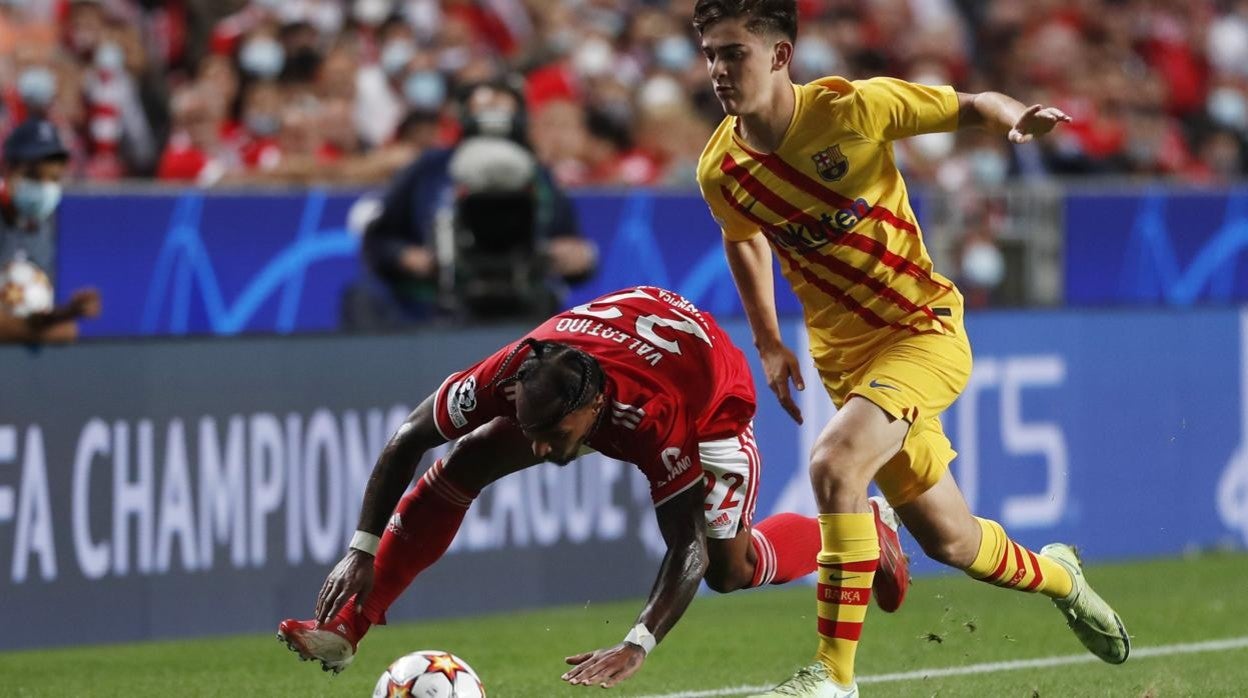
(300, 91)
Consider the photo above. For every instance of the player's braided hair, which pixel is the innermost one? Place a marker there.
(557, 378)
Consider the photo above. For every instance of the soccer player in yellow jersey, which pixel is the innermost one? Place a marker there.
(807, 172)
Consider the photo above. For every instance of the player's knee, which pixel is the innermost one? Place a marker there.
(724, 579)
(834, 476)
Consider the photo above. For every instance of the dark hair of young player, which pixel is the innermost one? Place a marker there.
(763, 16)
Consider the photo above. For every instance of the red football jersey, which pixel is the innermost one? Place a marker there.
(673, 379)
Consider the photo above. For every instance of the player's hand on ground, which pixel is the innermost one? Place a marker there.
(780, 366)
(605, 667)
(1037, 121)
(352, 576)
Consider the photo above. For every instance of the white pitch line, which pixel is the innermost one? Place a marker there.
(1230, 643)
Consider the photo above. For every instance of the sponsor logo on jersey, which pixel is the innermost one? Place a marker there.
(831, 226)
(462, 399)
(831, 163)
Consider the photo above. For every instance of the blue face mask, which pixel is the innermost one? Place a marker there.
(674, 53)
(262, 57)
(396, 55)
(37, 86)
(988, 167)
(34, 200)
(424, 89)
(816, 58)
(262, 124)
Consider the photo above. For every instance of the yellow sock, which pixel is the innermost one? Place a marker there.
(847, 565)
(1007, 564)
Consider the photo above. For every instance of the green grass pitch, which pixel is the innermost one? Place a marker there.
(744, 639)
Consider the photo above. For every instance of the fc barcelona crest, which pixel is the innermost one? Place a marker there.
(831, 163)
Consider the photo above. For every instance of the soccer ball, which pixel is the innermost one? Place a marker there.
(24, 288)
(429, 674)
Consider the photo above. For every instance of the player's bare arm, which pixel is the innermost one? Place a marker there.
(684, 565)
(57, 326)
(353, 575)
(1006, 115)
(750, 262)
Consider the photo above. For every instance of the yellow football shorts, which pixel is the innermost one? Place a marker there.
(914, 378)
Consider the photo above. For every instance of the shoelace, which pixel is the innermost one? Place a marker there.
(802, 682)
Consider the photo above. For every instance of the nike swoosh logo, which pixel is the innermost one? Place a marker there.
(844, 578)
(876, 384)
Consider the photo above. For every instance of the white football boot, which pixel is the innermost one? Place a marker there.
(811, 682)
(1095, 623)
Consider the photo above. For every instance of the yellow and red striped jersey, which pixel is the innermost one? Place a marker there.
(834, 208)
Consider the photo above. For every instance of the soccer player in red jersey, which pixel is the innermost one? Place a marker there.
(640, 375)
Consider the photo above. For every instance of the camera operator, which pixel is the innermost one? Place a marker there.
(476, 231)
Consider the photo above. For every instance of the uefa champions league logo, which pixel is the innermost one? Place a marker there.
(1232, 495)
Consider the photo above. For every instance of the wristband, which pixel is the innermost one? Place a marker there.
(641, 636)
(365, 542)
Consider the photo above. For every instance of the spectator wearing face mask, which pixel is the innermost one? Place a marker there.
(119, 134)
(30, 191)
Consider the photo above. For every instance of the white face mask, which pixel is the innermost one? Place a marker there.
(815, 58)
(988, 167)
(983, 265)
(674, 53)
(933, 146)
(262, 57)
(593, 57)
(372, 12)
(1228, 107)
(110, 56)
(424, 89)
(37, 86)
(34, 200)
(395, 56)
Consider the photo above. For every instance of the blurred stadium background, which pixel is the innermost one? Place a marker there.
(193, 465)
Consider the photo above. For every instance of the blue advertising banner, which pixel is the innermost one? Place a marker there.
(193, 263)
(135, 473)
(1124, 433)
(1159, 246)
(666, 240)
(188, 263)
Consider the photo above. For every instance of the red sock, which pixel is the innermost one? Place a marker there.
(787, 546)
(424, 524)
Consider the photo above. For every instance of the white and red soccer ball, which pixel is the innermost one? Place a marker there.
(24, 289)
(429, 674)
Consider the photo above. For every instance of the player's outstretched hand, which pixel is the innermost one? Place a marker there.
(85, 303)
(1037, 121)
(352, 576)
(780, 366)
(605, 667)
